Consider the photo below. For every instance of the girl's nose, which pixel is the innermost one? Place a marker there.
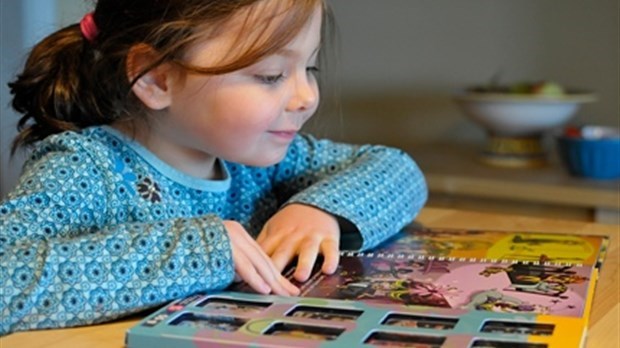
(305, 93)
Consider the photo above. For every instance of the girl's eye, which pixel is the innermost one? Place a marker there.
(313, 70)
(269, 79)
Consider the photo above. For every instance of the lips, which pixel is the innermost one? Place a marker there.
(284, 134)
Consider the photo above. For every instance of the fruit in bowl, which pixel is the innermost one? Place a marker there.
(547, 88)
(516, 116)
(523, 108)
(537, 88)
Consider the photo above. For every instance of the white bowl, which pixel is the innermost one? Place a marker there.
(516, 115)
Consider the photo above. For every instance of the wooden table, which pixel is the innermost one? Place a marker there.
(604, 324)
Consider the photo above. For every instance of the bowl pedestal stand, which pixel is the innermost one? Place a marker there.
(515, 152)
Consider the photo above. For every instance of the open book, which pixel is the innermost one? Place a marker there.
(508, 272)
(426, 288)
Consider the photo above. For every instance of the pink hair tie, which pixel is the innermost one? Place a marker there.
(88, 27)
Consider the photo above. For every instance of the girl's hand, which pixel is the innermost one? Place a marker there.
(302, 231)
(253, 266)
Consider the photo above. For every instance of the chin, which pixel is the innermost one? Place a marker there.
(259, 156)
(267, 163)
(260, 161)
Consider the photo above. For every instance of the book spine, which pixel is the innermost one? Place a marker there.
(422, 257)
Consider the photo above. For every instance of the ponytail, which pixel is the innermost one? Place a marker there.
(57, 89)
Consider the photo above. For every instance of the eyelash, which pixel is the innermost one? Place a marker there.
(269, 79)
(274, 79)
(314, 70)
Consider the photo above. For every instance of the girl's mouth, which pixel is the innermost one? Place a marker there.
(287, 135)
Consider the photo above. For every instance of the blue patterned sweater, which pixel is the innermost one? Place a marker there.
(98, 227)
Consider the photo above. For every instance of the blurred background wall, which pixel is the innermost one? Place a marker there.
(400, 62)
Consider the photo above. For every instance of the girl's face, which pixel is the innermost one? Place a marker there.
(249, 116)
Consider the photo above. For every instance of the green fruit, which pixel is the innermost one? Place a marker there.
(547, 88)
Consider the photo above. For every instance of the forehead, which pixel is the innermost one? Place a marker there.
(265, 26)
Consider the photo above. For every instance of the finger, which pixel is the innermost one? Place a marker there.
(331, 256)
(277, 282)
(261, 236)
(268, 243)
(282, 257)
(306, 260)
(289, 288)
(246, 271)
(258, 268)
(268, 272)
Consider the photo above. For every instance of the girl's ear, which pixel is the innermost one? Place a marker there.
(154, 87)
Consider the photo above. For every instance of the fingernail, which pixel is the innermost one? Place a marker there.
(301, 276)
(329, 270)
(265, 289)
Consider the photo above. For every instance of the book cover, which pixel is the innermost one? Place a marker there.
(426, 288)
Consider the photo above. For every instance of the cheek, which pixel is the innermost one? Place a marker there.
(245, 113)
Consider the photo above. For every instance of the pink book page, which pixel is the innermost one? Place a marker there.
(499, 287)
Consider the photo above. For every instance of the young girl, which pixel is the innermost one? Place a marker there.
(167, 160)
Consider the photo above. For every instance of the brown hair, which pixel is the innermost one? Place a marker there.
(69, 83)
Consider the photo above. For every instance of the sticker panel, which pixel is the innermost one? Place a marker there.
(311, 332)
(535, 329)
(218, 303)
(421, 322)
(215, 322)
(324, 313)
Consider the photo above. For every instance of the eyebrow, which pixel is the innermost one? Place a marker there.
(292, 53)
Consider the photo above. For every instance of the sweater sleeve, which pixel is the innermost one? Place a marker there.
(63, 263)
(376, 190)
